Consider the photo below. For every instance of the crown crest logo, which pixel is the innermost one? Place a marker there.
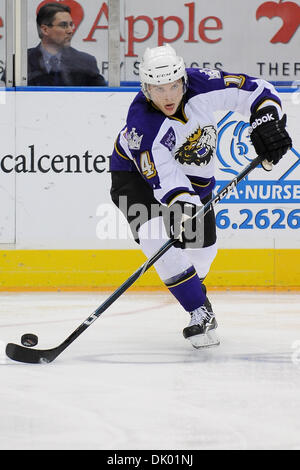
(134, 140)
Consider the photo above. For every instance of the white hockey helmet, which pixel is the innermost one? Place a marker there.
(161, 65)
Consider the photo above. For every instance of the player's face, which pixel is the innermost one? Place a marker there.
(167, 97)
(60, 32)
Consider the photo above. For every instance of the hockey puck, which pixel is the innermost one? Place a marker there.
(29, 340)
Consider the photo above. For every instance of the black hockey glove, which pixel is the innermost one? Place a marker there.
(184, 226)
(269, 136)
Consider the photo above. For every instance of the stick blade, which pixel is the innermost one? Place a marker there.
(30, 356)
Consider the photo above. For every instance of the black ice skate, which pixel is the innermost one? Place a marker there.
(201, 330)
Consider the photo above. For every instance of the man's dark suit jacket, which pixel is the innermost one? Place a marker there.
(77, 69)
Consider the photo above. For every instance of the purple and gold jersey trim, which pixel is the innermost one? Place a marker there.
(119, 161)
(202, 186)
(175, 193)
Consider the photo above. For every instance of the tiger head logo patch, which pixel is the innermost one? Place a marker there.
(198, 148)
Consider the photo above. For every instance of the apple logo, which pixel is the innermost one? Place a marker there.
(76, 10)
(289, 12)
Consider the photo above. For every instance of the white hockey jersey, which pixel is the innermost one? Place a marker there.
(176, 154)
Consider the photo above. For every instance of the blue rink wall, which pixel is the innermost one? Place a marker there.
(59, 230)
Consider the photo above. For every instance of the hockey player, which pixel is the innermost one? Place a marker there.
(165, 158)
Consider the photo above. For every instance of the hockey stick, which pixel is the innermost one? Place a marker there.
(36, 356)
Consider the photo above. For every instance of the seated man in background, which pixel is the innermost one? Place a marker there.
(54, 62)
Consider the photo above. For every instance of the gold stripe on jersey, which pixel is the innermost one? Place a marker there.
(180, 115)
(179, 194)
(266, 100)
(237, 80)
(204, 185)
(118, 151)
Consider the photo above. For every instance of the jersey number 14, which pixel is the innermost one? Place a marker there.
(147, 166)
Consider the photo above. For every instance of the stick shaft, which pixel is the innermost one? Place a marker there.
(140, 271)
(22, 354)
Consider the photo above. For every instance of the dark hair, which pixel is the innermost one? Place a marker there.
(47, 13)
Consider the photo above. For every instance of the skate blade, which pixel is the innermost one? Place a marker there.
(206, 340)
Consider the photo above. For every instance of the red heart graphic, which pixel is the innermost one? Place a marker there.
(77, 12)
(289, 12)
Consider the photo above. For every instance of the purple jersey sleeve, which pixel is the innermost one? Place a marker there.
(231, 91)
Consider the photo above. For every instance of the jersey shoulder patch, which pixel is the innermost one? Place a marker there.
(203, 80)
(143, 124)
(210, 74)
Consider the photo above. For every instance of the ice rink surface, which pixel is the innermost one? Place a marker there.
(131, 381)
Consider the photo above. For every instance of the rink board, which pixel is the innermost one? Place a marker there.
(105, 269)
(59, 229)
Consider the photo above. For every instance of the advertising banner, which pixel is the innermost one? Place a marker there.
(264, 210)
(2, 37)
(61, 162)
(7, 180)
(260, 38)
